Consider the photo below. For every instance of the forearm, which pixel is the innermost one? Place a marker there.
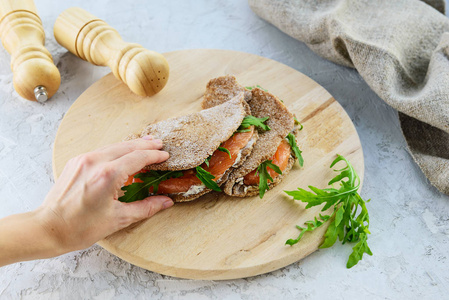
(28, 236)
(82, 207)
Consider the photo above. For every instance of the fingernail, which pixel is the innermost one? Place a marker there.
(167, 203)
(148, 137)
(157, 141)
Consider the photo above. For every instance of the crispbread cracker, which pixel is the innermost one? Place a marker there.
(192, 138)
(181, 198)
(221, 89)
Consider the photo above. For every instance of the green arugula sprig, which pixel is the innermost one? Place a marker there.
(351, 222)
(292, 141)
(311, 226)
(140, 190)
(264, 176)
(297, 123)
(223, 149)
(206, 178)
(251, 120)
(207, 160)
(256, 86)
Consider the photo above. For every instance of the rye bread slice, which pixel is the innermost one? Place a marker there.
(192, 138)
(181, 198)
(221, 89)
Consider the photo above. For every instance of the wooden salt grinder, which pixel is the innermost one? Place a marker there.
(35, 77)
(144, 71)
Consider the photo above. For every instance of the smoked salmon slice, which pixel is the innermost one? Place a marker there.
(219, 163)
(280, 159)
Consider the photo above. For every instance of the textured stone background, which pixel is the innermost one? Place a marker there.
(409, 218)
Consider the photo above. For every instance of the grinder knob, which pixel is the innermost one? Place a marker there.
(91, 39)
(23, 36)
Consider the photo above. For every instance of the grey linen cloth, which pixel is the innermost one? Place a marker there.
(400, 48)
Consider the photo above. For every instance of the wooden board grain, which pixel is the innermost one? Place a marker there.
(216, 236)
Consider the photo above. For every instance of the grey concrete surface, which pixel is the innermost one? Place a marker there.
(409, 218)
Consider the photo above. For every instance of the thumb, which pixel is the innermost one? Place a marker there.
(145, 208)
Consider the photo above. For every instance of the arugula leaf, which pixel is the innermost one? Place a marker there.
(292, 141)
(222, 149)
(253, 87)
(297, 123)
(351, 222)
(206, 178)
(140, 190)
(358, 250)
(264, 176)
(207, 160)
(311, 225)
(251, 120)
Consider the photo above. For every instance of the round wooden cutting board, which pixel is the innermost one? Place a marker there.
(216, 236)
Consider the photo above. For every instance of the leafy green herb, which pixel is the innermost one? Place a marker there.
(140, 190)
(264, 176)
(311, 225)
(207, 160)
(222, 149)
(253, 87)
(297, 123)
(206, 178)
(250, 120)
(292, 141)
(351, 222)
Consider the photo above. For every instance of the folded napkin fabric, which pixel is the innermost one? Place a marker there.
(399, 47)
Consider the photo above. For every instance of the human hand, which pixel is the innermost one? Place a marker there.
(82, 206)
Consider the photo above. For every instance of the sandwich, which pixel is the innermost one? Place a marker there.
(242, 143)
(275, 150)
(205, 147)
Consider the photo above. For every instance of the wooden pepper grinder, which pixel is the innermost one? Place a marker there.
(144, 71)
(21, 32)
